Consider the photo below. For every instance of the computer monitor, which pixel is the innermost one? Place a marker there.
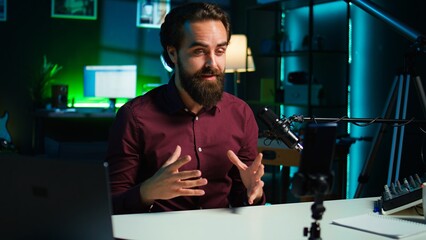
(110, 81)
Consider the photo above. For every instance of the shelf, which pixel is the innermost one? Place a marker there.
(324, 63)
(286, 4)
(300, 53)
(277, 104)
(250, 102)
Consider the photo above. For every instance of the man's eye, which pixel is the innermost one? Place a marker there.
(220, 51)
(199, 51)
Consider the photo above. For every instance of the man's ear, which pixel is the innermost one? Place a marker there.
(171, 51)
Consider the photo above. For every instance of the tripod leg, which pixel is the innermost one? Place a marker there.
(395, 130)
(401, 131)
(363, 177)
(422, 98)
(421, 94)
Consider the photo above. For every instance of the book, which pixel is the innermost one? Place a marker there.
(383, 225)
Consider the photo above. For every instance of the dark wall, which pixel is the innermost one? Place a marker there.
(31, 33)
(27, 35)
(379, 49)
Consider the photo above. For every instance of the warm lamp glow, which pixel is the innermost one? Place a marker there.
(238, 58)
(238, 55)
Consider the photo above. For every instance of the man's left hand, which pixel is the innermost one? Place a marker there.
(251, 176)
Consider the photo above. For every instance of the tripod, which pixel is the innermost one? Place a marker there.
(318, 209)
(403, 81)
(398, 95)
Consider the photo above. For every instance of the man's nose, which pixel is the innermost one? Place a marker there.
(211, 60)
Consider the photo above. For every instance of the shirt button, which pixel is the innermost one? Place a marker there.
(200, 149)
(196, 118)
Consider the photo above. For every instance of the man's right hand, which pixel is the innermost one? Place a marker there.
(168, 182)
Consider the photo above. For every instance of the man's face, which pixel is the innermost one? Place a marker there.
(200, 61)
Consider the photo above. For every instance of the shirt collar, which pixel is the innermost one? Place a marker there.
(172, 98)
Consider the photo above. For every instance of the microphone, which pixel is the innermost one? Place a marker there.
(280, 128)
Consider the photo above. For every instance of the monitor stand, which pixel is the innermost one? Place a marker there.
(112, 102)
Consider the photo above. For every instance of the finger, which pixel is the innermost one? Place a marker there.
(254, 167)
(184, 175)
(236, 161)
(175, 155)
(258, 160)
(256, 191)
(255, 187)
(191, 192)
(260, 171)
(193, 183)
(180, 162)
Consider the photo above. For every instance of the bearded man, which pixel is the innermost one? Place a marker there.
(187, 144)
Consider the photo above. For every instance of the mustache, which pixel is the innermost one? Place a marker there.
(208, 71)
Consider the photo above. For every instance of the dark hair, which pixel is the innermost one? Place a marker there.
(171, 33)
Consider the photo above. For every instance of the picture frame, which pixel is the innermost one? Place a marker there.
(151, 13)
(3, 10)
(75, 9)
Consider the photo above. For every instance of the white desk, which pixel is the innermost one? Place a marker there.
(282, 221)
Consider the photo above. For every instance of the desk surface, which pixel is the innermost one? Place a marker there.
(75, 113)
(281, 221)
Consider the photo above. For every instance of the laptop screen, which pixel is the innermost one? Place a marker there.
(54, 199)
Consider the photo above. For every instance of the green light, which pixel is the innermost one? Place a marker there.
(76, 97)
(95, 103)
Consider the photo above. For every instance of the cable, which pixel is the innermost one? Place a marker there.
(366, 124)
(404, 124)
(422, 151)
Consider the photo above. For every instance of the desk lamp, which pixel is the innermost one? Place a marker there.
(238, 58)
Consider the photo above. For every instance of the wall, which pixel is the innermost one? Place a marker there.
(27, 35)
(30, 33)
(377, 56)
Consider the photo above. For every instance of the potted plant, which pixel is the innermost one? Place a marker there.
(40, 84)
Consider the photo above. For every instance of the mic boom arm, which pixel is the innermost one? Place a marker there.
(280, 128)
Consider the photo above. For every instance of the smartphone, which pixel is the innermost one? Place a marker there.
(315, 170)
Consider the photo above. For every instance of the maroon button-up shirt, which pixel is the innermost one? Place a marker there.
(146, 132)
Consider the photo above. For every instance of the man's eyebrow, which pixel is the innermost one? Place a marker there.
(200, 44)
(224, 44)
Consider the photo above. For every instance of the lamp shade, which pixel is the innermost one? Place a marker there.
(238, 55)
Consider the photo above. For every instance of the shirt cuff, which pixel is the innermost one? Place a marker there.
(133, 202)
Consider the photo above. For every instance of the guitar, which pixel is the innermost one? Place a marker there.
(5, 139)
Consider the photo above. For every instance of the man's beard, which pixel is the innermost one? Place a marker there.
(204, 92)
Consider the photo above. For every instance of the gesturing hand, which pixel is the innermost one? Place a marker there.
(251, 176)
(168, 182)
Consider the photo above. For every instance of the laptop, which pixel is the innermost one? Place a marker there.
(45, 198)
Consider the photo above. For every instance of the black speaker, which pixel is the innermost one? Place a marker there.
(59, 96)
